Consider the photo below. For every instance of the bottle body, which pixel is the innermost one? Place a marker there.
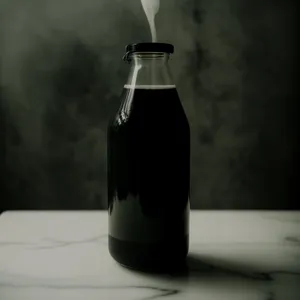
(148, 178)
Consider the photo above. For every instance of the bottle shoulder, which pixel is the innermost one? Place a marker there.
(139, 106)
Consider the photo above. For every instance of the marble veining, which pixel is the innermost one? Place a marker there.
(50, 243)
(159, 292)
(233, 255)
(293, 240)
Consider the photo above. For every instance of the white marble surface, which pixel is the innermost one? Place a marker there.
(233, 255)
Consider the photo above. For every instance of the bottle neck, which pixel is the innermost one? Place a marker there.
(149, 69)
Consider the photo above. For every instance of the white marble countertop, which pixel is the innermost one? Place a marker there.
(233, 255)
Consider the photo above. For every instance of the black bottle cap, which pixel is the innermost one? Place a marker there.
(148, 47)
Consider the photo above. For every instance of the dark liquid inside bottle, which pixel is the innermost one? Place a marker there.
(148, 180)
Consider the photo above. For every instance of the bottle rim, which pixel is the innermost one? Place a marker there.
(147, 47)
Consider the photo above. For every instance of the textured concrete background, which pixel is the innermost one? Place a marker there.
(61, 74)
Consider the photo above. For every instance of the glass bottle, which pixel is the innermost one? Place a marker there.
(149, 166)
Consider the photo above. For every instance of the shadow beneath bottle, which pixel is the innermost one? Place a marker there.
(201, 267)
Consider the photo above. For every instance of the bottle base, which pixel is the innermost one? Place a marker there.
(160, 257)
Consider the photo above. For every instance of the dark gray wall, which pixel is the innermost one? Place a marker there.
(61, 75)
